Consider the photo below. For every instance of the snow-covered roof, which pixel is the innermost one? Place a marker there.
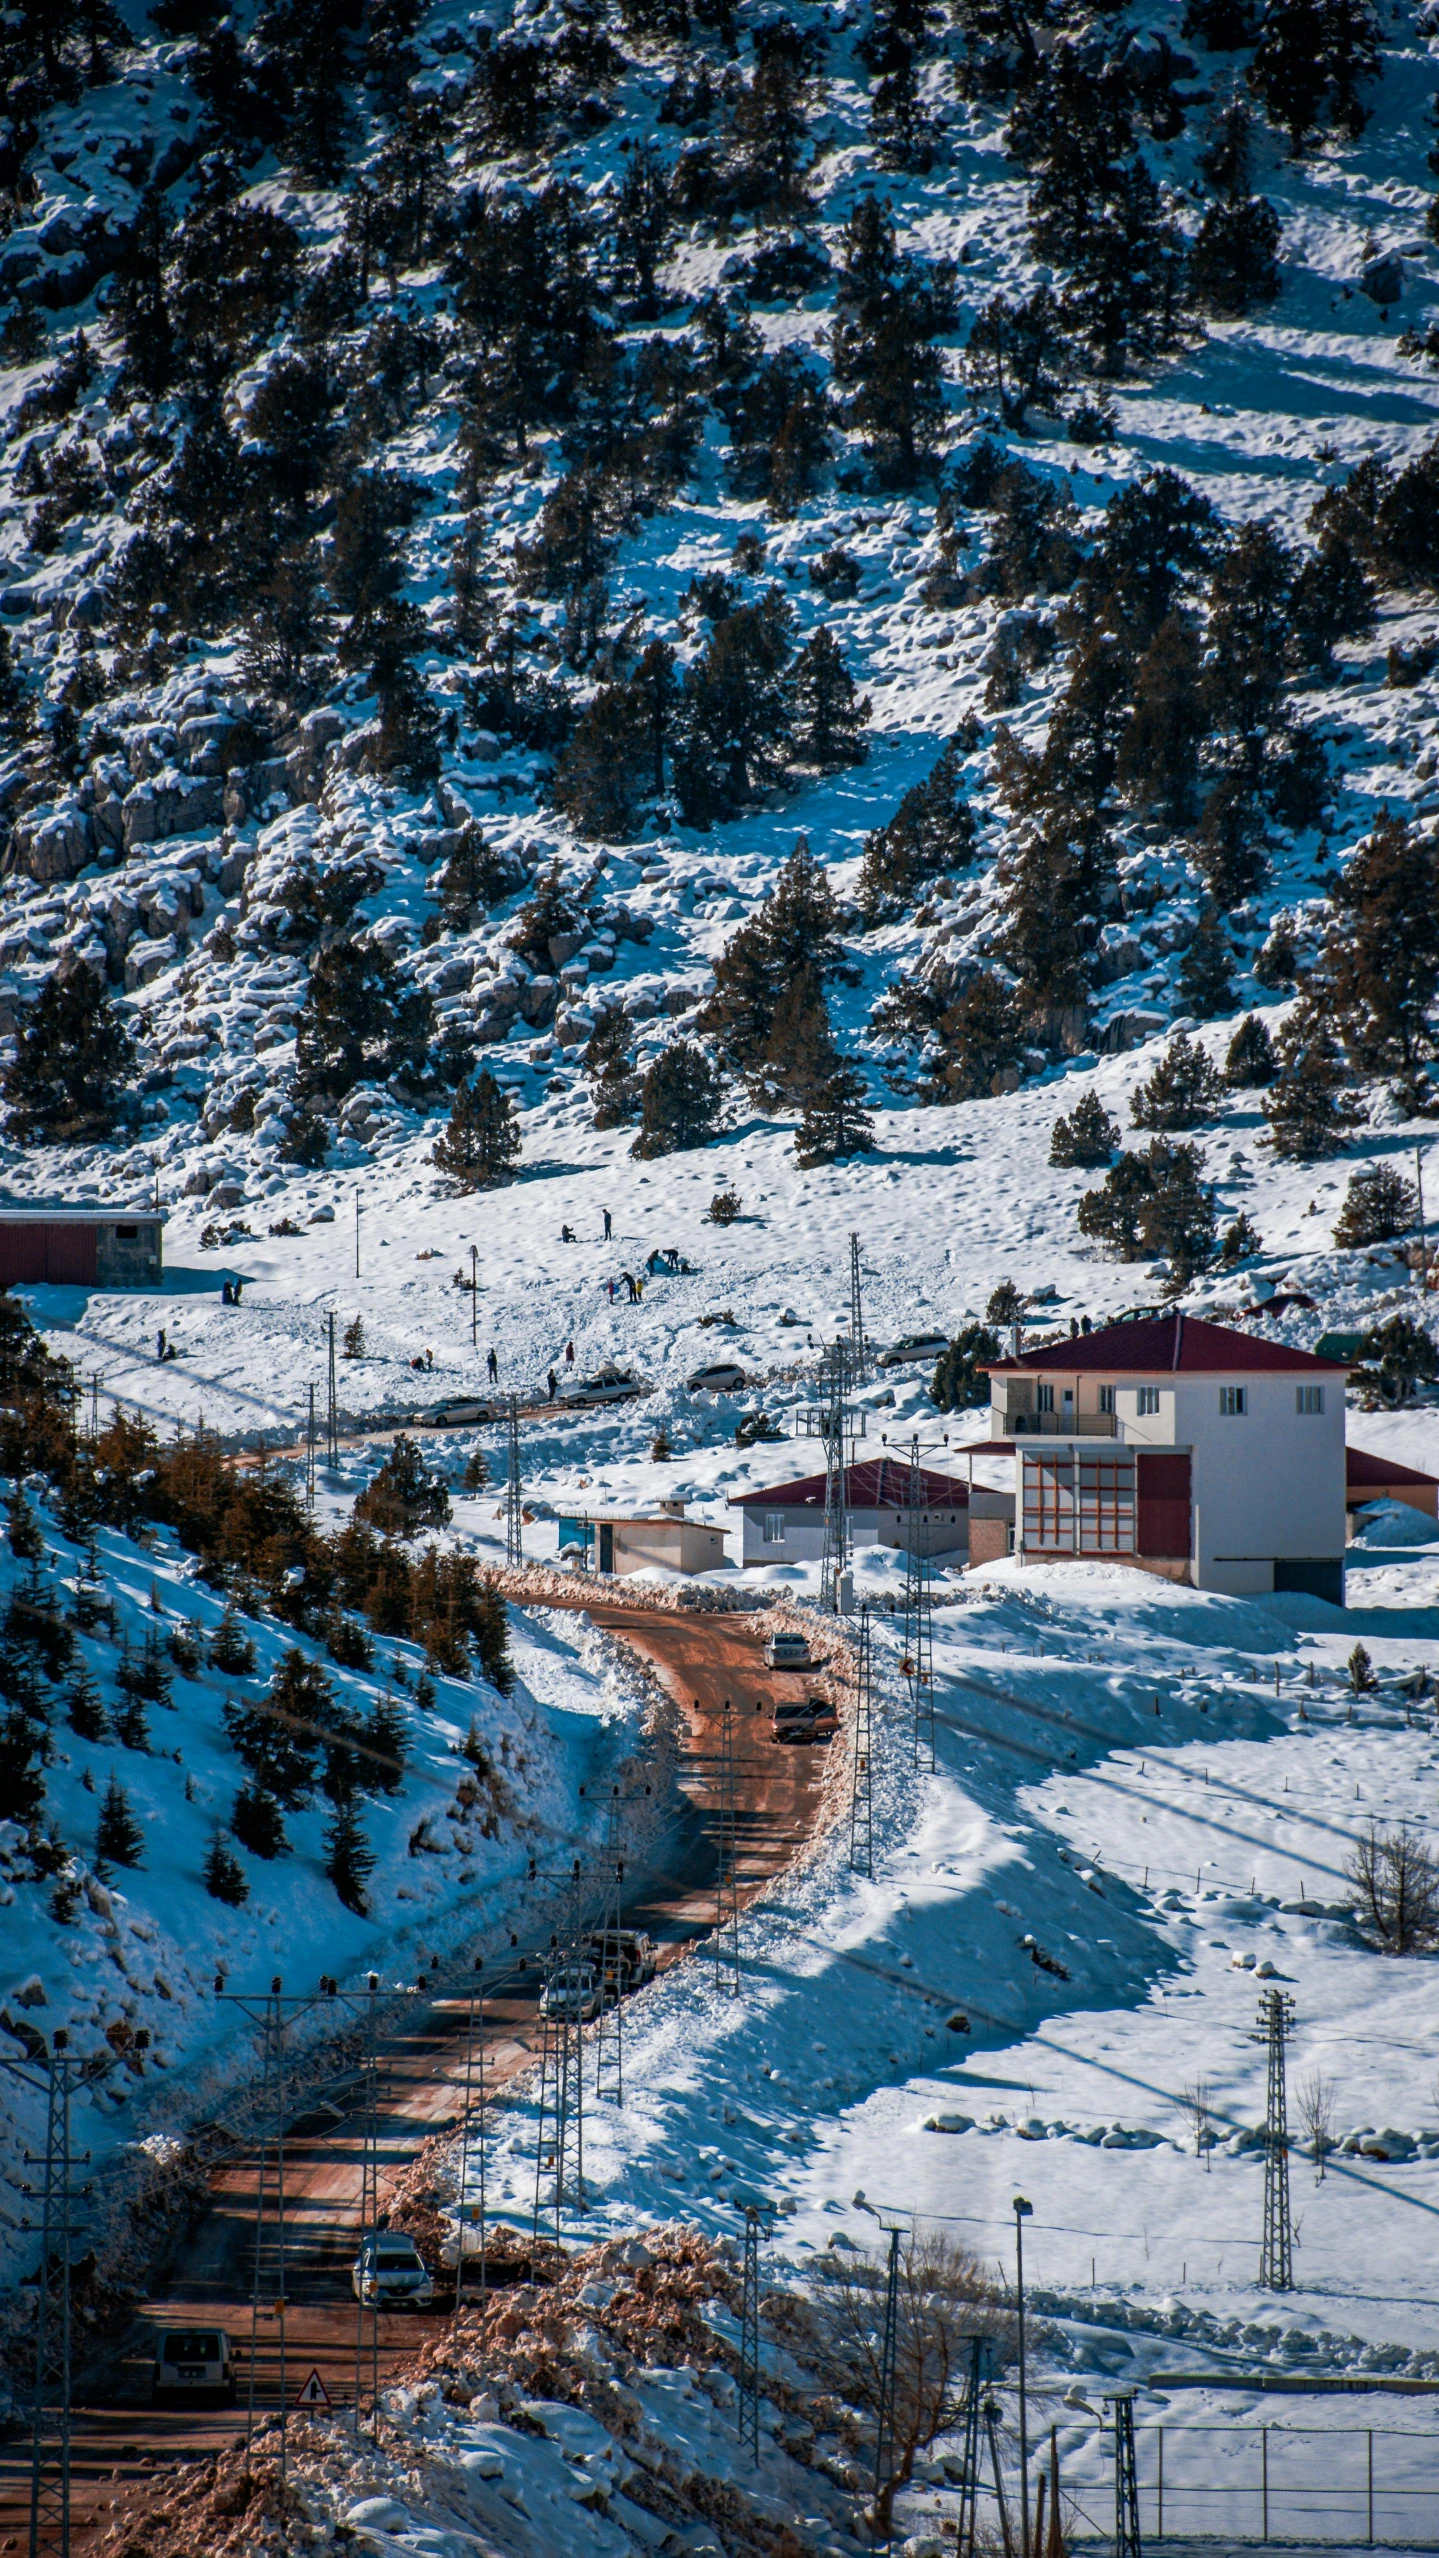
(880, 1483)
(108, 1215)
(1176, 1343)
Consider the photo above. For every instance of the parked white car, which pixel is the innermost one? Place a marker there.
(721, 1377)
(607, 1385)
(787, 1651)
(575, 1990)
(456, 1411)
(389, 2273)
(913, 1346)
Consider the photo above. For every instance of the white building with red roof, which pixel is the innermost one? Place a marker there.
(1184, 1448)
(785, 1522)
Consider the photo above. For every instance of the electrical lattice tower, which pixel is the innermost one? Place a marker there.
(609, 2027)
(55, 2075)
(858, 1348)
(514, 1524)
(332, 1416)
(370, 2202)
(747, 2398)
(966, 2521)
(473, 2129)
(834, 1570)
(861, 1800)
(1276, 2253)
(561, 2140)
(884, 2445)
(726, 1932)
(1126, 2480)
(919, 1618)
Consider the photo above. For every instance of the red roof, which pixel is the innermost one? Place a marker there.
(880, 1483)
(1363, 1471)
(1166, 1344)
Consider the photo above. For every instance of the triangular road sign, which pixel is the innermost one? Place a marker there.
(314, 2393)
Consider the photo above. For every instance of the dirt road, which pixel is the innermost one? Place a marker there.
(117, 2436)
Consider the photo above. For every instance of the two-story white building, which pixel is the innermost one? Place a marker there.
(1184, 1448)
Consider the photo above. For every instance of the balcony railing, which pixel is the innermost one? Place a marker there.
(1059, 1425)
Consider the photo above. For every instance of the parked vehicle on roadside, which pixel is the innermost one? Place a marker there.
(720, 1377)
(389, 2273)
(575, 1990)
(192, 2362)
(458, 1411)
(624, 1958)
(786, 1651)
(607, 1385)
(911, 1346)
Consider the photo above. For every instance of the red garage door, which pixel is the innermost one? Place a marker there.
(1163, 1505)
(35, 1251)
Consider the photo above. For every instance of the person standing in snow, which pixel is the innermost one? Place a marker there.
(569, 1354)
(160, 1344)
(609, 1283)
(609, 1230)
(493, 1364)
(554, 1385)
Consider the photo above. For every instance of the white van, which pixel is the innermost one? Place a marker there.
(192, 2362)
(787, 1652)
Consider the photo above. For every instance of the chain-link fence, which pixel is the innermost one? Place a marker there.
(1374, 2485)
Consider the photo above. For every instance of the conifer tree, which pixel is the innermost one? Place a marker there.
(1332, 599)
(792, 936)
(609, 1062)
(22, 1786)
(132, 1729)
(828, 707)
(1312, 60)
(679, 1102)
(352, 1342)
(605, 766)
(360, 1022)
(1249, 1060)
(84, 1708)
(1020, 350)
(74, 1064)
(1085, 1137)
(119, 1839)
(1379, 966)
(481, 1145)
(889, 310)
(224, 1875)
(385, 1732)
(22, 1528)
(1206, 975)
(735, 713)
(1234, 265)
(230, 1647)
(1378, 1204)
(1157, 765)
(475, 876)
(255, 1821)
(931, 831)
(1310, 1105)
(404, 1496)
(834, 1123)
(1154, 1202)
(349, 1859)
(961, 1379)
(1183, 1089)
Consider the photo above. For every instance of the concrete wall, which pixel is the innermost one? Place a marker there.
(804, 1532)
(1267, 1484)
(678, 1545)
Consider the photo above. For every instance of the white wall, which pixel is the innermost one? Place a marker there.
(1267, 1483)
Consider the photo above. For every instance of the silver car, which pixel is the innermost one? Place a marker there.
(721, 1377)
(389, 2273)
(607, 1385)
(458, 1410)
(913, 1346)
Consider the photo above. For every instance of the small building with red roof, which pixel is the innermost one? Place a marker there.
(1184, 1448)
(785, 1522)
(1370, 1478)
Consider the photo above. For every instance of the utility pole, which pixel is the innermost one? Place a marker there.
(858, 1347)
(884, 2461)
(748, 2391)
(1023, 2211)
(310, 1454)
(271, 2010)
(966, 2522)
(475, 1297)
(1276, 2253)
(726, 1932)
(357, 1234)
(835, 1588)
(562, 2075)
(514, 1523)
(55, 2075)
(467, 2214)
(1126, 2479)
(1423, 1245)
(861, 1800)
(332, 1419)
(369, 2207)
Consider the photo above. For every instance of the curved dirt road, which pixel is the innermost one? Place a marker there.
(117, 2436)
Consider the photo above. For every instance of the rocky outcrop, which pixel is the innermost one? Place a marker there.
(172, 804)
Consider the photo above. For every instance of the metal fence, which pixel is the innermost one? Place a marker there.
(1351, 2484)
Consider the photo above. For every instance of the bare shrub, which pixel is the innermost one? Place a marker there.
(1196, 2106)
(1396, 1887)
(1316, 2114)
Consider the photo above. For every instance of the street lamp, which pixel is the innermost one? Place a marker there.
(1023, 2211)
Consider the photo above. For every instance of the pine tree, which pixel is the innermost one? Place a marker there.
(609, 1062)
(386, 1733)
(1157, 764)
(828, 708)
(404, 1496)
(889, 309)
(1378, 1204)
(1206, 974)
(931, 831)
(352, 1340)
(1086, 1137)
(224, 1875)
(118, 1836)
(477, 1471)
(1234, 265)
(22, 1786)
(834, 1123)
(735, 712)
(1019, 349)
(481, 1146)
(74, 1065)
(1249, 1060)
(1154, 1203)
(792, 936)
(1332, 600)
(230, 1648)
(475, 876)
(604, 769)
(359, 1023)
(84, 1709)
(1311, 61)
(961, 1379)
(1379, 966)
(255, 1821)
(22, 1528)
(799, 1051)
(679, 1102)
(132, 1729)
(1183, 1089)
(1309, 1106)
(1240, 1241)
(349, 1860)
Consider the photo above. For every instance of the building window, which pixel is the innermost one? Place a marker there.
(1106, 1398)
(127, 1234)
(1045, 1399)
(1049, 1505)
(774, 1527)
(1233, 1399)
(1309, 1398)
(1106, 1505)
(1148, 1400)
